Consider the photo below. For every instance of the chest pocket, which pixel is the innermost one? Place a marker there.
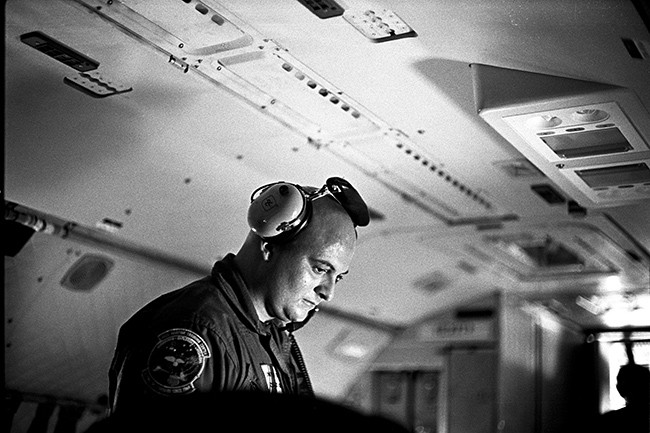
(259, 354)
(252, 380)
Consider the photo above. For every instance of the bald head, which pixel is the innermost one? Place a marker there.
(329, 224)
(287, 280)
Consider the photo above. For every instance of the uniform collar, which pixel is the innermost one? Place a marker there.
(233, 286)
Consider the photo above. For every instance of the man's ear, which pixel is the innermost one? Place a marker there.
(267, 249)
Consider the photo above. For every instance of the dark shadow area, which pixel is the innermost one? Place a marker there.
(246, 412)
(454, 78)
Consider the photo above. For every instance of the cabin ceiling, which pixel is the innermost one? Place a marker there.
(166, 163)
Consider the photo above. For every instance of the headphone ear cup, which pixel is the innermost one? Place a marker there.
(278, 212)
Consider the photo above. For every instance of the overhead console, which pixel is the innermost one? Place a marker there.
(590, 138)
(204, 39)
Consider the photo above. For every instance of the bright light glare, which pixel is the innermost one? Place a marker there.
(616, 318)
(612, 284)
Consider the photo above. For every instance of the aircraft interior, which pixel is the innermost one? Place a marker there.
(502, 148)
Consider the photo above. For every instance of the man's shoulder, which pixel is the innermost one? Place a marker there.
(190, 317)
(200, 303)
(204, 300)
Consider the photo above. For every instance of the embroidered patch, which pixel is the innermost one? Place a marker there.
(176, 361)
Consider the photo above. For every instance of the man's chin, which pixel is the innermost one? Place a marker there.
(299, 315)
(300, 318)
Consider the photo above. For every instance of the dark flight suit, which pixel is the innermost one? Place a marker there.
(203, 338)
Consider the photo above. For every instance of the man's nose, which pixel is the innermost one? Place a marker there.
(325, 290)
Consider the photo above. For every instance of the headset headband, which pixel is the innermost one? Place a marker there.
(280, 210)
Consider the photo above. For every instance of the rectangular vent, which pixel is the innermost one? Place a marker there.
(323, 8)
(548, 193)
(58, 51)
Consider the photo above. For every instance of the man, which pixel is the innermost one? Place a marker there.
(633, 384)
(232, 330)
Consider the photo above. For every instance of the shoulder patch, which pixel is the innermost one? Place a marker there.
(176, 361)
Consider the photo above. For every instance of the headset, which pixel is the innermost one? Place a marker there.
(279, 211)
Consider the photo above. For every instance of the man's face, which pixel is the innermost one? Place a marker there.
(304, 275)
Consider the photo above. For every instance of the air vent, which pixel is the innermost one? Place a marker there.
(59, 51)
(548, 193)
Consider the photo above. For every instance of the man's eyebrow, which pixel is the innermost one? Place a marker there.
(330, 265)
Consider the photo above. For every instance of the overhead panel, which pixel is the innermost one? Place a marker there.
(590, 138)
(205, 38)
(581, 255)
